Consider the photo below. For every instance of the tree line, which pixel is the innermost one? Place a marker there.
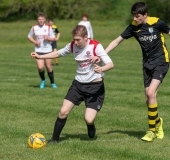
(73, 9)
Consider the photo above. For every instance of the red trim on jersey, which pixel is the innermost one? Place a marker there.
(48, 27)
(72, 43)
(34, 26)
(95, 43)
(44, 24)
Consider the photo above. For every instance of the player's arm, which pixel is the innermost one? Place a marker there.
(57, 36)
(114, 44)
(104, 68)
(108, 64)
(56, 54)
(31, 39)
(51, 37)
(45, 56)
(163, 27)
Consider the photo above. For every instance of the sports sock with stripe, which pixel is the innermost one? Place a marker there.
(152, 116)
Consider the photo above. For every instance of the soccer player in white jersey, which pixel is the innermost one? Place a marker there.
(88, 85)
(88, 25)
(43, 37)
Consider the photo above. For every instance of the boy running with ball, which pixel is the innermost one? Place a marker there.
(88, 85)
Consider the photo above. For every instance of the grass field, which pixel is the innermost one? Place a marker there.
(25, 109)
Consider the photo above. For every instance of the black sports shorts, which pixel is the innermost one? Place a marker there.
(92, 94)
(54, 45)
(154, 72)
(40, 53)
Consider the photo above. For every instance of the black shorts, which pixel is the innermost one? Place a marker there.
(154, 72)
(54, 44)
(91, 93)
(40, 53)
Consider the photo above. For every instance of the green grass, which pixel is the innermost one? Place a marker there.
(25, 109)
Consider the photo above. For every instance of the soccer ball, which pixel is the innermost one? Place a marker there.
(36, 140)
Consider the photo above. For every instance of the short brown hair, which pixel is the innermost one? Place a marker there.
(85, 15)
(41, 15)
(79, 30)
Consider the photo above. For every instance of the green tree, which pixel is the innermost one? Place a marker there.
(159, 8)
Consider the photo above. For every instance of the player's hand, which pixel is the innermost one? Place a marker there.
(46, 37)
(95, 59)
(56, 39)
(37, 43)
(97, 68)
(34, 55)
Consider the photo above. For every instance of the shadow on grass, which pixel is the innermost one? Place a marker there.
(82, 137)
(137, 134)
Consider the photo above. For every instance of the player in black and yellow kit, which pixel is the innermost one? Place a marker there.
(148, 31)
(57, 34)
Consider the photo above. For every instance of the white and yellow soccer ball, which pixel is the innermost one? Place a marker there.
(36, 140)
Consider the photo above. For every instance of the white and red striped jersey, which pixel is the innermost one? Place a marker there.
(85, 69)
(39, 32)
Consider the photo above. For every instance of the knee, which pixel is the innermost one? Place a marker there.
(150, 95)
(89, 120)
(63, 114)
(49, 68)
(40, 69)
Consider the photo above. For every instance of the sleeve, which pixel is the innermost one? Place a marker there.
(127, 32)
(65, 51)
(51, 33)
(56, 30)
(31, 33)
(91, 30)
(100, 52)
(163, 27)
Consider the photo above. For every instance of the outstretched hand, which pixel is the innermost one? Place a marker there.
(97, 68)
(95, 59)
(34, 55)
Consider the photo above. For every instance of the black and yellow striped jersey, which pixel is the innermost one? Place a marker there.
(55, 29)
(151, 39)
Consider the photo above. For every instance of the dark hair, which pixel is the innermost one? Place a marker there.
(50, 19)
(79, 30)
(41, 15)
(139, 8)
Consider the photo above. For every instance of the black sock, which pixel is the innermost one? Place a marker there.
(90, 126)
(51, 76)
(42, 75)
(59, 124)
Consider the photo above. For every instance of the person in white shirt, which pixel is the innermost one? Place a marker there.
(88, 25)
(44, 35)
(88, 85)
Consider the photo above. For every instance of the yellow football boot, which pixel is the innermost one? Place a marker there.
(159, 130)
(149, 136)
